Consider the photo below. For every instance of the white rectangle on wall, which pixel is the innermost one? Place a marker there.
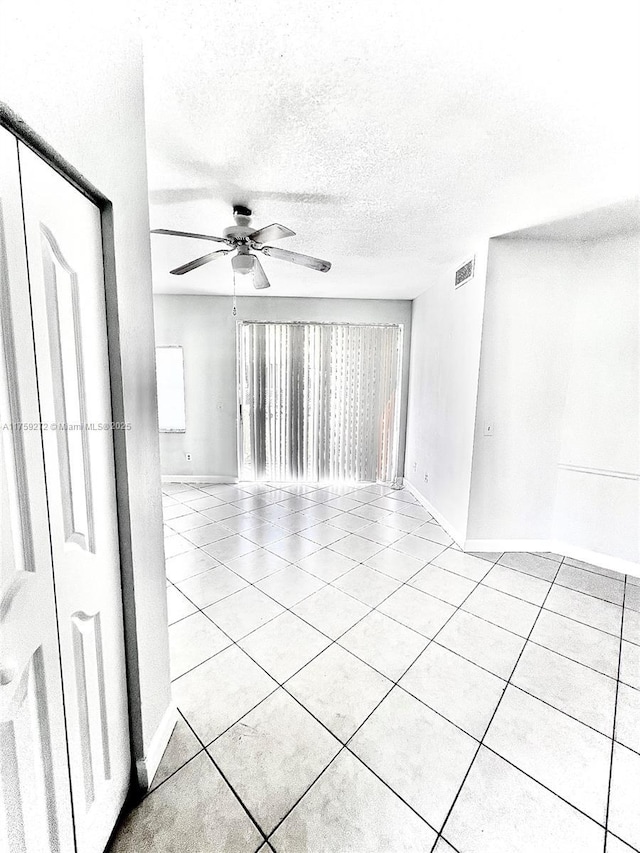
(170, 377)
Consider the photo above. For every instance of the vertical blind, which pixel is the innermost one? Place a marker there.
(319, 402)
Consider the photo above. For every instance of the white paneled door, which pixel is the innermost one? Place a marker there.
(35, 804)
(71, 524)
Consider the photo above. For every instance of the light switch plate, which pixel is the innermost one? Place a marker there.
(488, 428)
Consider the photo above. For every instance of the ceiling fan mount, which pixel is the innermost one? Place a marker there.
(245, 241)
(242, 216)
(242, 210)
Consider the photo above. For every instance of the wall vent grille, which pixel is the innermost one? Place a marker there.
(465, 272)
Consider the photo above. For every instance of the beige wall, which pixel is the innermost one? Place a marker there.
(73, 72)
(206, 328)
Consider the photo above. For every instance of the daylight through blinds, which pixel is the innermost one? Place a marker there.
(320, 401)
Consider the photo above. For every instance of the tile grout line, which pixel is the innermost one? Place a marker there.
(367, 521)
(386, 547)
(383, 547)
(236, 643)
(431, 519)
(430, 639)
(279, 686)
(367, 663)
(395, 683)
(346, 743)
(518, 688)
(402, 583)
(542, 785)
(615, 711)
(227, 782)
(495, 710)
(316, 577)
(508, 761)
(450, 546)
(287, 609)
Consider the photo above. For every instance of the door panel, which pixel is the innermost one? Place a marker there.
(91, 689)
(35, 799)
(25, 735)
(63, 235)
(68, 385)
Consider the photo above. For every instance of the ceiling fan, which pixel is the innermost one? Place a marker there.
(244, 240)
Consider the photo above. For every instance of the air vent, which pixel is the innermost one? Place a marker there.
(465, 272)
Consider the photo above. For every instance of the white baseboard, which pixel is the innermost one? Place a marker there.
(595, 558)
(564, 549)
(481, 545)
(146, 767)
(442, 521)
(604, 561)
(197, 478)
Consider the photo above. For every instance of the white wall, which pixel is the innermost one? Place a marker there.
(559, 384)
(522, 387)
(73, 72)
(205, 327)
(445, 353)
(598, 507)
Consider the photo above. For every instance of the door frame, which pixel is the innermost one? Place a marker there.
(239, 412)
(25, 134)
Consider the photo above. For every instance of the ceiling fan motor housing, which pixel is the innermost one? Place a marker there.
(238, 231)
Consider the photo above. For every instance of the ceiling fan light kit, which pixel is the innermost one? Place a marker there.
(244, 240)
(243, 263)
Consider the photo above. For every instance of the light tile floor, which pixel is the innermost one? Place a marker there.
(348, 680)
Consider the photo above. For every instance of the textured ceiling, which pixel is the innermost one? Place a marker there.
(603, 222)
(391, 137)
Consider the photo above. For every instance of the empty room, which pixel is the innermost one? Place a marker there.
(320, 427)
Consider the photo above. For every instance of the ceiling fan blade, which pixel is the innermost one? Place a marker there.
(271, 232)
(296, 258)
(189, 234)
(260, 280)
(199, 262)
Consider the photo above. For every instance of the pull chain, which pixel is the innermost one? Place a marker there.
(234, 296)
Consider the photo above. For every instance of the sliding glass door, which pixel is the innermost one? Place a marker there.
(319, 401)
